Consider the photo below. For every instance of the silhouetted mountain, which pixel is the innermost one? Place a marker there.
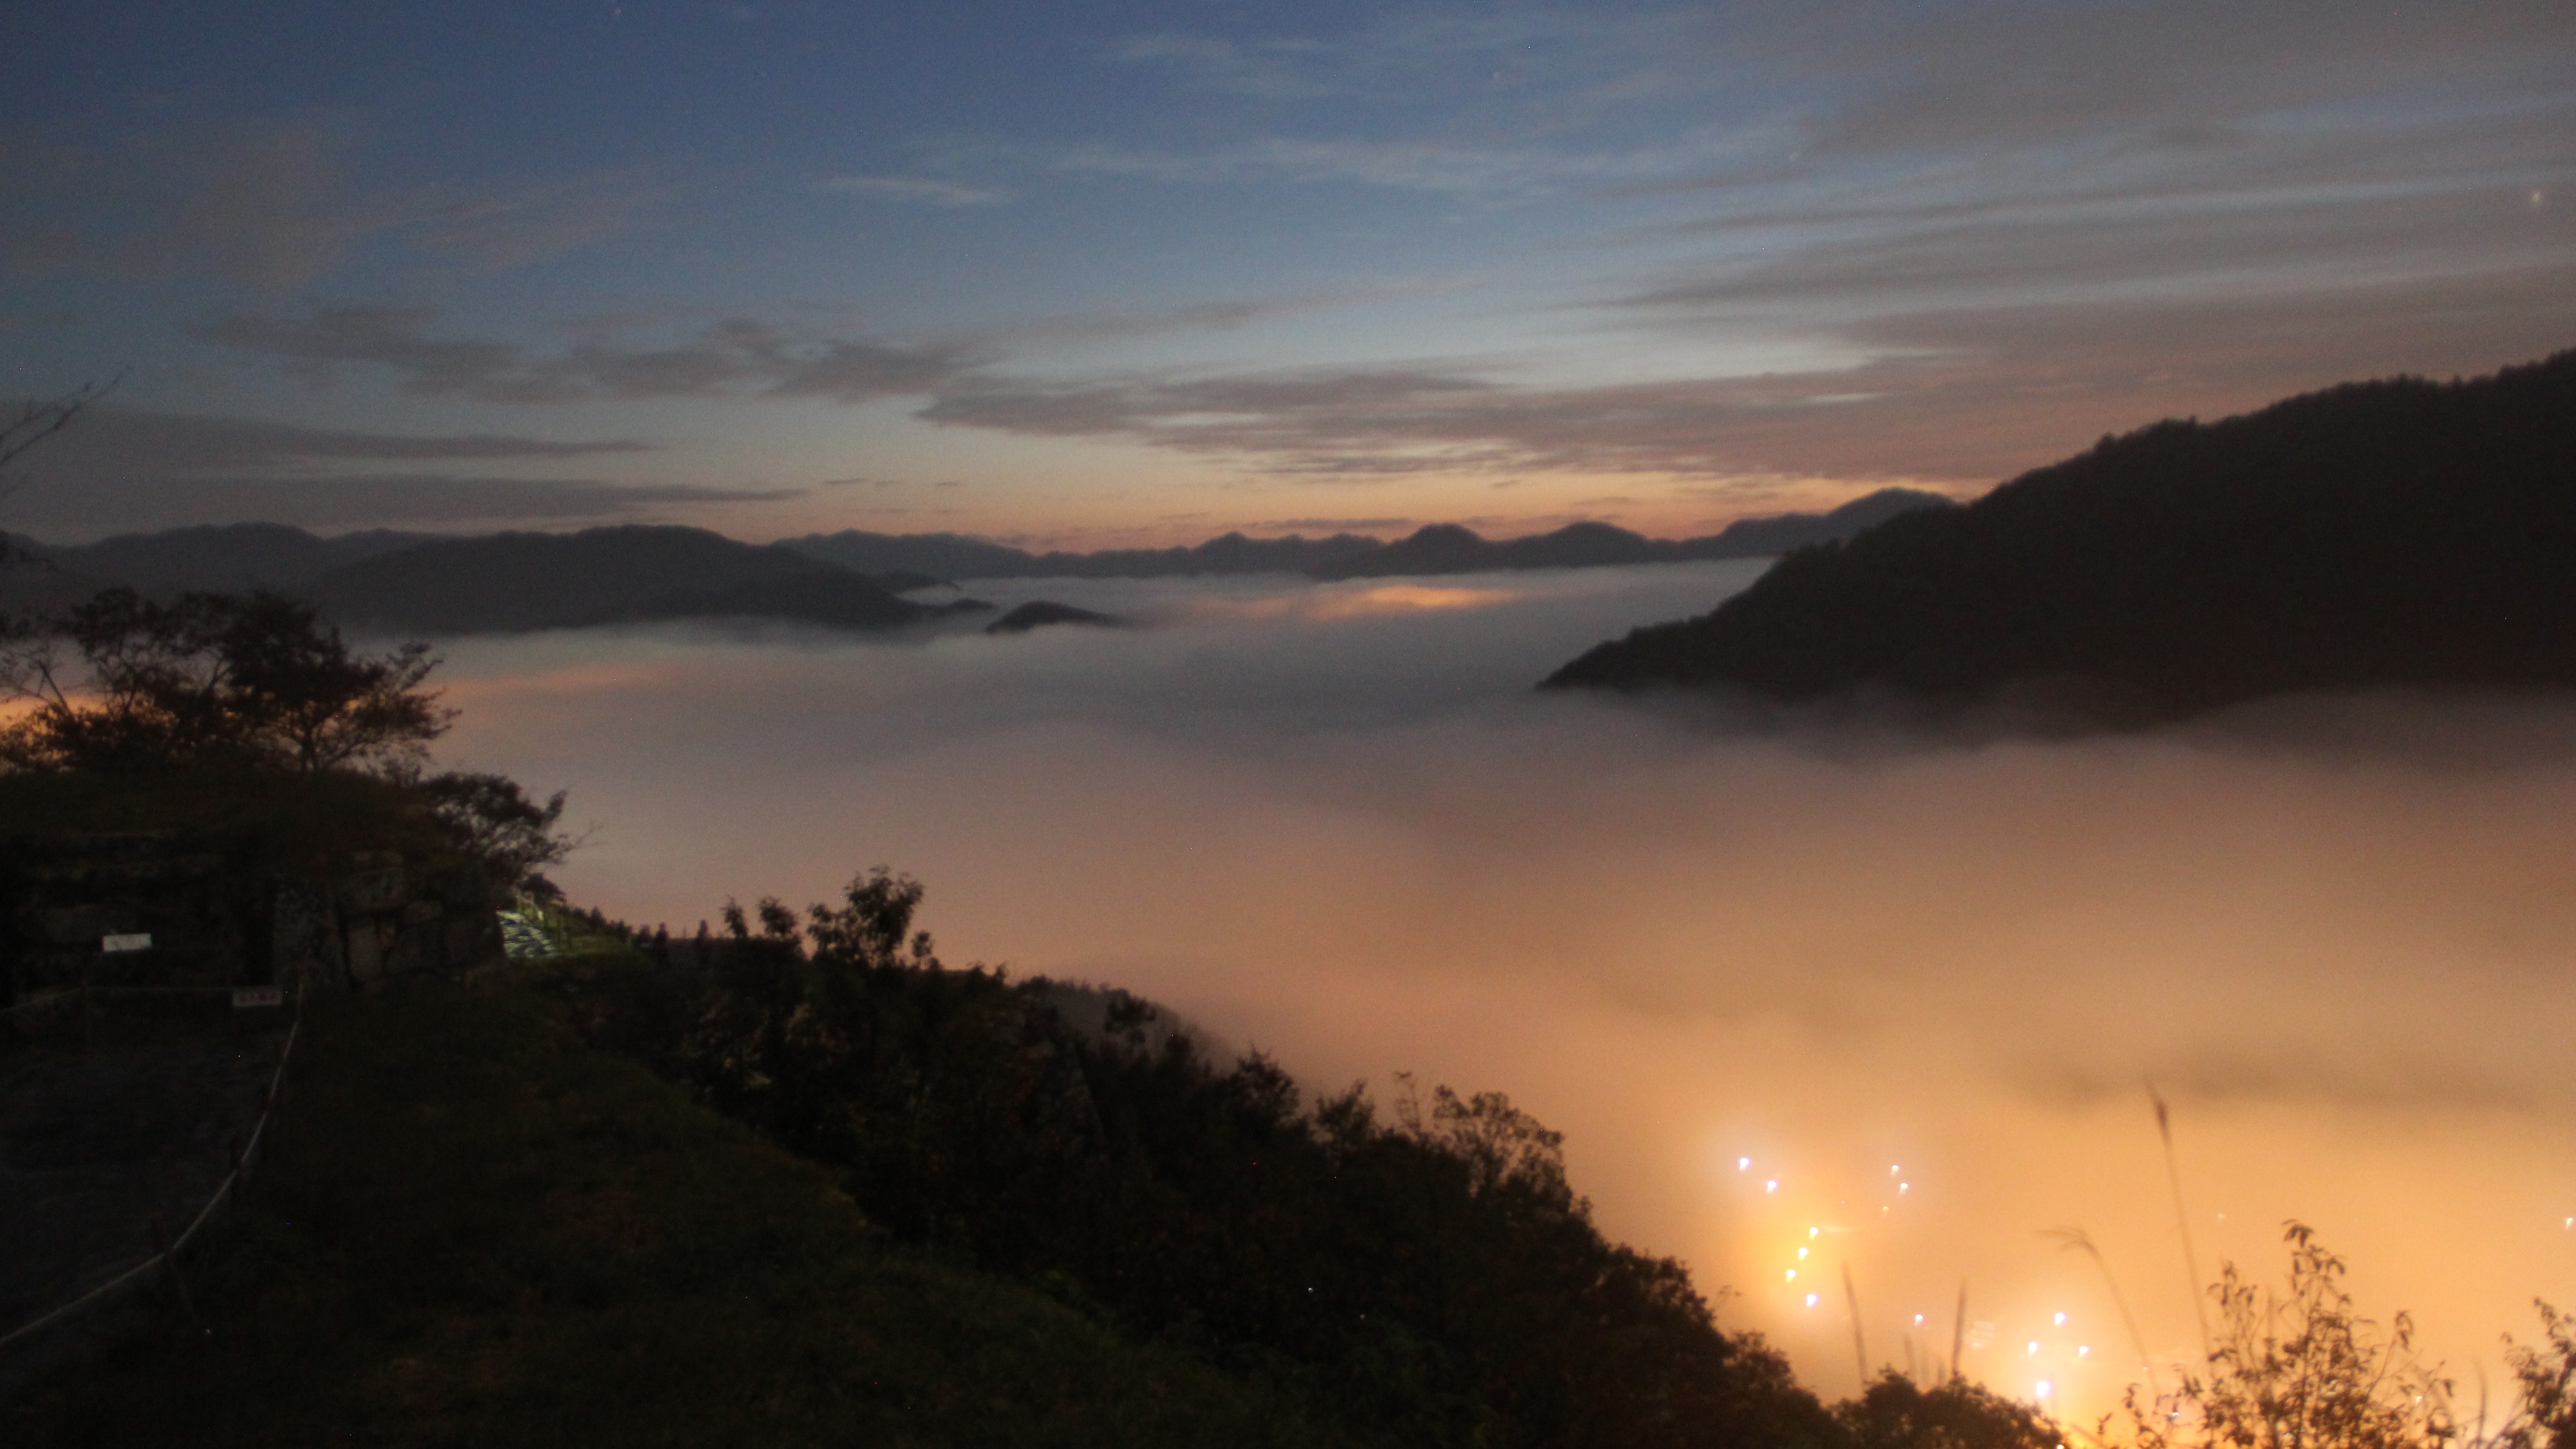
(956, 556)
(2385, 533)
(515, 581)
(32, 583)
(1782, 532)
(904, 581)
(229, 557)
(1038, 613)
(1441, 548)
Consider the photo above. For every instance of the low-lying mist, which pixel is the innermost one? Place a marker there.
(1920, 988)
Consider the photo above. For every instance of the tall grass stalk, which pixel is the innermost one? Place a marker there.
(1860, 1346)
(2182, 1216)
(1959, 1329)
(2078, 1240)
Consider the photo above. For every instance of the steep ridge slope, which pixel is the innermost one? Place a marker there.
(2393, 533)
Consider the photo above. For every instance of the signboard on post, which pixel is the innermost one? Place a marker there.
(140, 941)
(246, 998)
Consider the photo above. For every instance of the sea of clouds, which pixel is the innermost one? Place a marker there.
(1918, 980)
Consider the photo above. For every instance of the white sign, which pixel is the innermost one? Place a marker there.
(140, 942)
(247, 997)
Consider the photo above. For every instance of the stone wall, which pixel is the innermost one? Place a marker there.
(219, 917)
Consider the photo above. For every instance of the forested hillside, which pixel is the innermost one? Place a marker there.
(2396, 533)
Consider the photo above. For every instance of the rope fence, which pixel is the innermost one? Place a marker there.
(68, 993)
(165, 1248)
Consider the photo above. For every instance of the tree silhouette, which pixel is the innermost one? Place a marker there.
(2301, 1369)
(210, 681)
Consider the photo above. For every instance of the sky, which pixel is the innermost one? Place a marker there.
(1920, 984)
(1128, 273)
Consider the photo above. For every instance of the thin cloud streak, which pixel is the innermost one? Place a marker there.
(71, 510)
(126, 469)
(932, 190)
(736, 356)
(1965, 396)
(276, 203)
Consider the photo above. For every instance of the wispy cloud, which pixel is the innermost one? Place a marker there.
(727, 358)
(2001, 73)
(514, 225)
(131, 468)
(1269, 69)
(1959, 393)
(1227, 314)
(923, 190)
(260, 204)
(1401, 164)
(112, 438)
(274, 204)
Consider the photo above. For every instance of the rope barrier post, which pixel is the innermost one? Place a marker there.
(170, 1264)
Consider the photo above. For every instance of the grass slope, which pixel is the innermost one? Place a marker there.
(476, 1231)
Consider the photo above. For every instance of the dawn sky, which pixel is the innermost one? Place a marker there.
(1124, 273)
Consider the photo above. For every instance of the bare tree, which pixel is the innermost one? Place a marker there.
(42, 418)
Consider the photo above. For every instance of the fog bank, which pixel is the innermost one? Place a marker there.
(1920, 988)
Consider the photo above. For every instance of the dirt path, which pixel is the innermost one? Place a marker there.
(93, 1147)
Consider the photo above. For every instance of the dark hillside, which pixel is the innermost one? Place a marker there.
(2389, 533)
(473, 1231)
(1428, 1268)
(515, 581)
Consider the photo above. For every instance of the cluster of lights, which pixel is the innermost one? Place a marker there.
(1771, 1188)
(2043, 1389)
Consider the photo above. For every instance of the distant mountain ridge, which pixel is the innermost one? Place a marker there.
(518, 581)
(962, 556)
(1440, 548)
(448, 584)
(2392, 533)
(222, 557)
(48, 578)
(1449, 549)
